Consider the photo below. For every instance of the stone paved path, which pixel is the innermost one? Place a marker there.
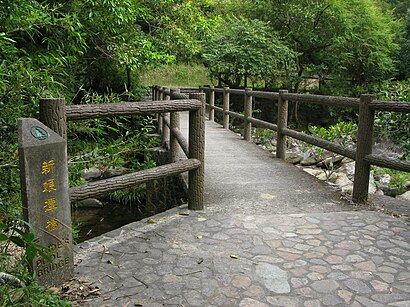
(271, 235)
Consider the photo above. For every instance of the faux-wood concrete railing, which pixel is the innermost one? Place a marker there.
(54, 113)
(366, 105)
(168, 127)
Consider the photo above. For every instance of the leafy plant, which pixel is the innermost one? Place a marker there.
(398, 179)
(343, 133)
(246, 49)
(394, 125)
(18, 286)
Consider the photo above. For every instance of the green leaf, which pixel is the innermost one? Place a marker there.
(31, 252)
(18, 241)
(3, 237)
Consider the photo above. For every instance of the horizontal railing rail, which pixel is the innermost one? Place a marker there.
(54, 113)
(366, 105)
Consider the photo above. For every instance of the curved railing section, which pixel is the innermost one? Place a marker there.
(54, 113)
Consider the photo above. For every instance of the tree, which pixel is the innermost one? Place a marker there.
(367, 47)
(243, 49)
(403, 55)
(353, 39)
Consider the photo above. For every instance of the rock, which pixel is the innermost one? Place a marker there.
(405, 196)
(90, 203)
(384, 179)
(327, 176)
(348, 189)
(312, 171)
(113, 172)
(372, 185)
(310, 160)
(342, 180)
(348, 169)
(332, 160)
(91, 173)
(274, 278)
(321, 176)
(344, 183)
(393, 192)
(293, 158)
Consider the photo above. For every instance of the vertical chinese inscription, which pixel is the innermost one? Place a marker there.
(44, 178)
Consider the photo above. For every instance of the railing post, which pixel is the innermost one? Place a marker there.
(247, 125)
(53, 115)
(159, 115)
(196, 151)
(211, 103)
(226, 108)
(174, 123)
(282, 123)
(165, 129)
(153, 92)
(364, 147)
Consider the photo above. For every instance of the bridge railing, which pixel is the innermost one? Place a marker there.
(54, 113)
(366, 106)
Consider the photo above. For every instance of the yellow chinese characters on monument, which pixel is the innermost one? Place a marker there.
(48, 167)
(49, 185)
(52, 224)
(50, 204)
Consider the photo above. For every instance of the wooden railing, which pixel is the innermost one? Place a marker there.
(366, 106)
(54, 113)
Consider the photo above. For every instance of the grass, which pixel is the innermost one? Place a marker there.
(398, 179)
(191, 74)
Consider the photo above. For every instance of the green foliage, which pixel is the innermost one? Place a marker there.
(243, 48)
(366, 49)
(110, 142)
(352, 40)
(38, 42)
(403, 55)
(343, 133)
(395, 126)
(22, 290)
(398, 179)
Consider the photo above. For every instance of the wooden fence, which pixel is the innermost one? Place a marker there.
(367, 105)
(54, 113)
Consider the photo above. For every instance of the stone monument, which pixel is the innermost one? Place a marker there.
(46, 204)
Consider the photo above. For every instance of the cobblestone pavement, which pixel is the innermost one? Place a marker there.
(320, 259)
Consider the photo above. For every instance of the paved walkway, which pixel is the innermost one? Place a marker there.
(271, 235)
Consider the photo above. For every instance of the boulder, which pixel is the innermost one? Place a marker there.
(326, 176)
(372, 184)
(344, 183)
(327, 163)
(348, 189)
(405, 196)
(348, 169)
(90, 203)
(91, 173)
(312, 171)
(312, 160)
(293, 158)
(384, 179)
(342, 180)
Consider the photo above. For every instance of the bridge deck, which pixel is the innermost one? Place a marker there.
(270, 235)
